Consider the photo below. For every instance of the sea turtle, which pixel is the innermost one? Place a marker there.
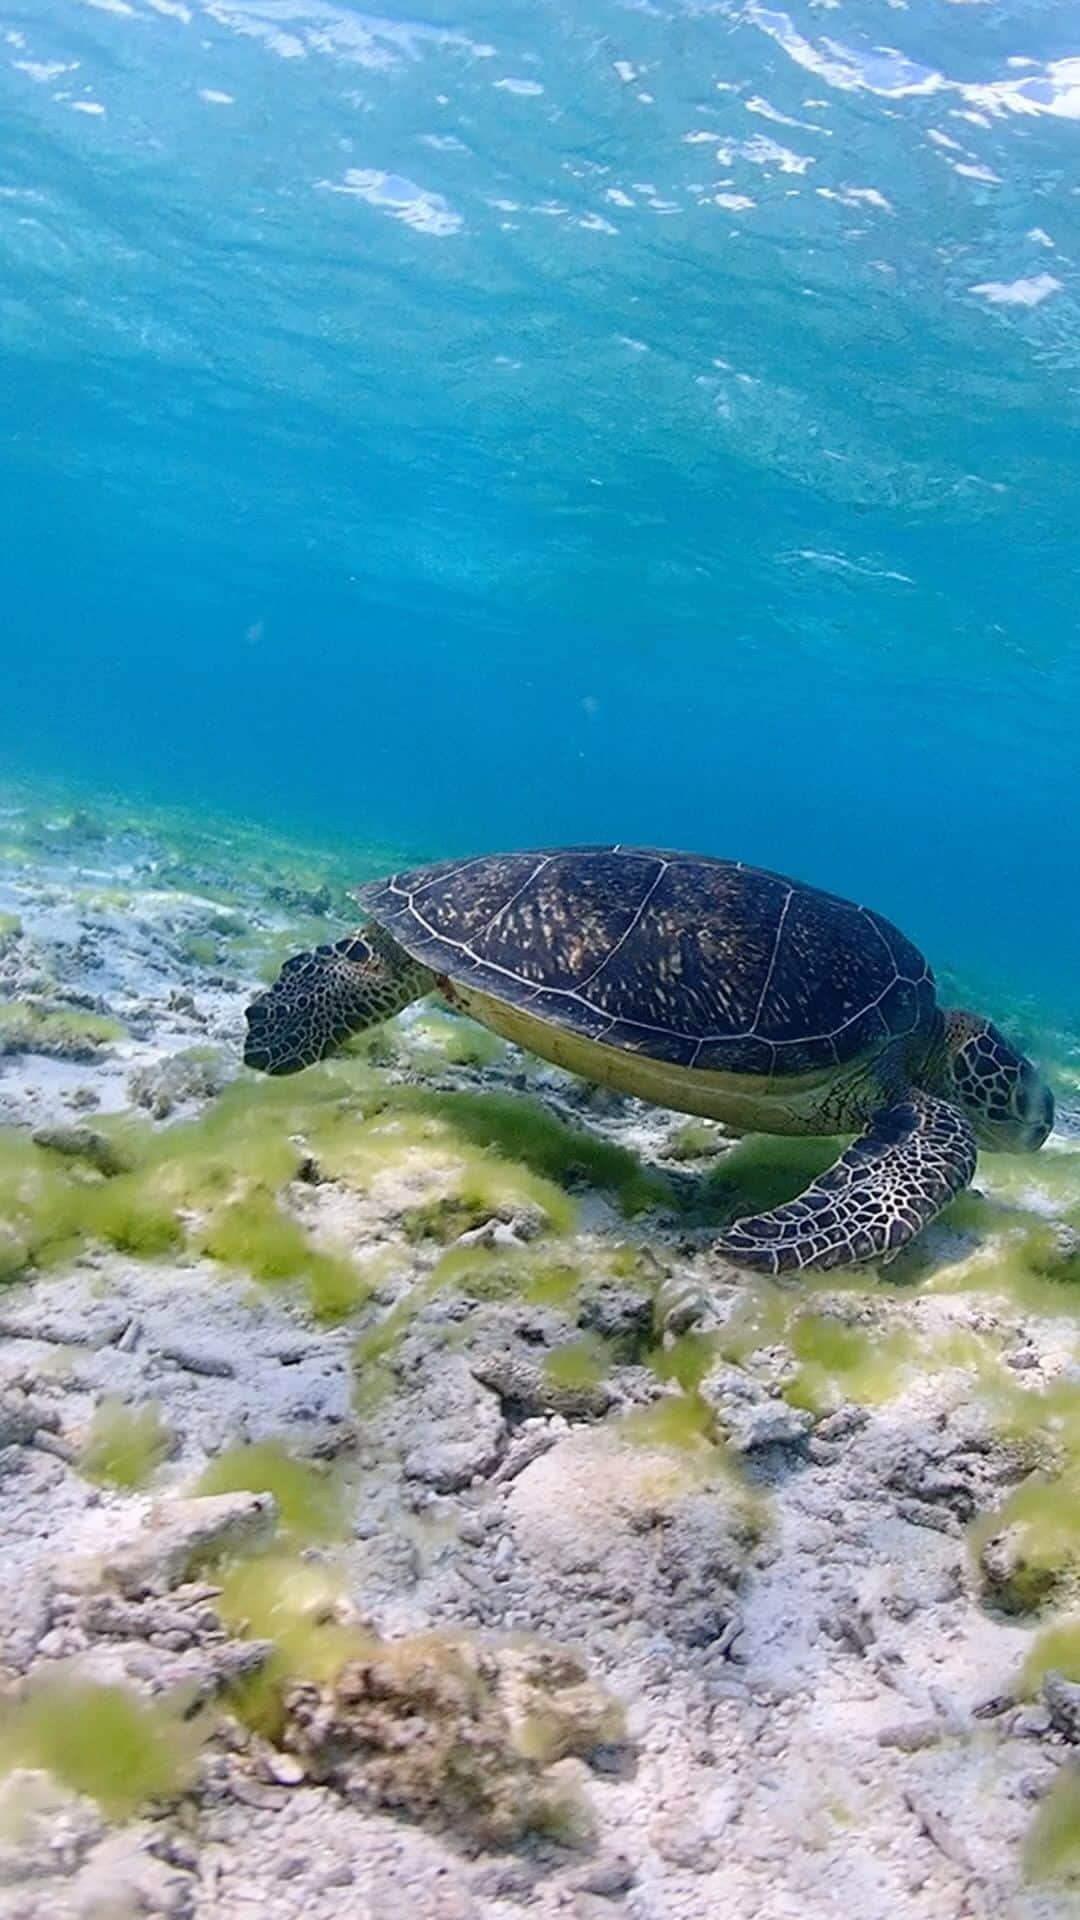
(703, 985)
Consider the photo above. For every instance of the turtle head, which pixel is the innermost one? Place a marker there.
(1004, 1096)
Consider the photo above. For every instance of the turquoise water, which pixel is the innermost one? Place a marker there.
(519, 424)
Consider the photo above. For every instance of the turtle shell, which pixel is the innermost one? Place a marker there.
(700, 962)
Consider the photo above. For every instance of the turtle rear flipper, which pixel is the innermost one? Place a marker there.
(881, 1192)
(320, 998)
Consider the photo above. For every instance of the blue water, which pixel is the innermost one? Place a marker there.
(544, 422)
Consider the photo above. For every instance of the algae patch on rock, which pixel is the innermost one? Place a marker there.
(310, 1500)
(104, 1741)
(520, 1130)
(255, 1236)
(1052, 1846)
(1028, 1551)
(1028, 1548)
(299, 1607)
(1056, 1650)
(444, 1728)
(125, 1445)
(438, 1040)
(59, 1033)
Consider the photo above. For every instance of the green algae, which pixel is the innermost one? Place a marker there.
(401, 1126)
(104, 900)
(578, 1363)
(533, 1273)
(104, 1741)
(56, 1205)
(10, 928)
(686, 1360)
(520, 1130)
(553, 1283)
(761, 1172)
(374, 1346)
(680, 1420)
(254, 1236)
(1041, 1516)
(820, 1340)
(200, 949)
(125, 1215)
(695, 1140)
(1051, 1255)
(1045, 1420)
(1055, 1650)
(1029, 1262)
(296, 1605)
(839, 1363)
(628, 1261)
(209, 1185)
(1052, 1177)
(14, 1253)
(311, 1501)
(373, 1384)
(61, 1033)
(506, 1145)
(439, 1040)
(1052, 1844)
(445, 1217)
(1042, 1519)
(214, 1184)
(836, 1358)
(125, 1445)
(228, 923)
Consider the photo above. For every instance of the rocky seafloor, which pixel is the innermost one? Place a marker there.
(406, 1513)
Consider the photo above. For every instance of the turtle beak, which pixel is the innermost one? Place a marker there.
(1041, 1123)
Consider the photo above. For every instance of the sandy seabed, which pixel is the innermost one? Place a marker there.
(407, 1514)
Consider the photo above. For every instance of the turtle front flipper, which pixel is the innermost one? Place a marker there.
(881, 1192)
(319, 999)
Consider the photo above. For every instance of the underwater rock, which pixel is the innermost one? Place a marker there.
(1062, 1698)
(447, 1729)
(526, 1389)
(180, 1534)
(83, 1143)
(54, 1032)
(750, 1417)
(689, 1299)
(185, 1078)
(607, 1531)
(1012, 1581)
(124, 1878)
(618, 1314)
(19, 1419)
(462, 1430)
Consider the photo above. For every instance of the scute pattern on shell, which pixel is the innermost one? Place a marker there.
(697, 961)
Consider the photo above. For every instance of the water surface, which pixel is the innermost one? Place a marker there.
(528, 423)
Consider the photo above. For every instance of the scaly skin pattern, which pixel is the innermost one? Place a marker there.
(914, 1157)
(319, 999)
(1007, 1102)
